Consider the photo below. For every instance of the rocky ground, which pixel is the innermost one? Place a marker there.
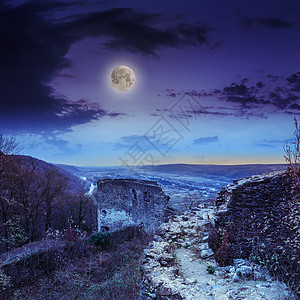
(178, 264)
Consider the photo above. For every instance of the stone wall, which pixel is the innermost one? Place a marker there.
(126, 202)
(257, 220)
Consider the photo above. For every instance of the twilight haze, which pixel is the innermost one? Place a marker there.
(217, 82)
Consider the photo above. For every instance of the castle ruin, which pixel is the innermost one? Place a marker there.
(128, 202)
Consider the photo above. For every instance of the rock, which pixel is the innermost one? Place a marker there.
(191, 280)
(235, 278)
(157, 238)
(165, 291)
(206, 253)
(204, 246)
(244, 272)
(259, 276)
(163, 263)
(205, 239)
(227, 268)
(241, 262)
(193, 232)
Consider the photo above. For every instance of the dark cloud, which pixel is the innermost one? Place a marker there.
(247, 101)
(126, 29)
(240, 93)
(293, 113)
(272, 23)
(294, 81)
(262, 95)
(192, 93)
(34, 46)
(294, 106)
(205, 140)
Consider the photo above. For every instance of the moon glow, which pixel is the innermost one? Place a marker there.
(122, 78)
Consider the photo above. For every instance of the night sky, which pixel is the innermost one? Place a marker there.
(217, 82)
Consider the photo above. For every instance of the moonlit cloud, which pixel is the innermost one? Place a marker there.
(37, 53)
(246, 100)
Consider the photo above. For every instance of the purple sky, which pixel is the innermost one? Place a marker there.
(217, 82)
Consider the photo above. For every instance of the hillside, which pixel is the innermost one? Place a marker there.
(75, 184)
(37, 197)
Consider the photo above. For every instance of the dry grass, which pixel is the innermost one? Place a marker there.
(87, 271)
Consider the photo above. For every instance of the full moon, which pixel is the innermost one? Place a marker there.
(122, 78)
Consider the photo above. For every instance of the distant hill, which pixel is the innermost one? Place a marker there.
(226, 172)
(230, 171)
(70, 169)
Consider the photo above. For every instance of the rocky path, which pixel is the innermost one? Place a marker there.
(179, 264)
(221, 285)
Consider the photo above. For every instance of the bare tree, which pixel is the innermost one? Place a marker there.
(292, 149)
(8, 145)
(83, 206)
(80, 208)
(26, 190)
(53, 184)
(292, 157)
(8, 205)
(192, 200)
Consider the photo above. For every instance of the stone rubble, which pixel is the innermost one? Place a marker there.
(176, 265)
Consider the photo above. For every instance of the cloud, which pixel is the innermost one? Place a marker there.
(294, 81)
(244, 100)
(265, 145)
(242, 94)
(271, 23)
(205, 140)
(127, 29)
(126, 142)
(33, 51)
(294, 106)
(272, 143)
(48, 143)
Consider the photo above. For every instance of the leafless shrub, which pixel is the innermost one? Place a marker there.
(292, 157)
(8, 145)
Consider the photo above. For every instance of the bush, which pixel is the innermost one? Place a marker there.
(100, 239)
(210, 269)
(4, 281)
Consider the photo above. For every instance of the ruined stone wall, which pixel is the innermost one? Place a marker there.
(126, 202)
(256, 219)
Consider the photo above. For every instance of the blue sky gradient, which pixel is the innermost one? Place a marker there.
(217, 82)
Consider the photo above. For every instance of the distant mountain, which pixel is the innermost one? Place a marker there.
(230, 171)
(227, 172)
